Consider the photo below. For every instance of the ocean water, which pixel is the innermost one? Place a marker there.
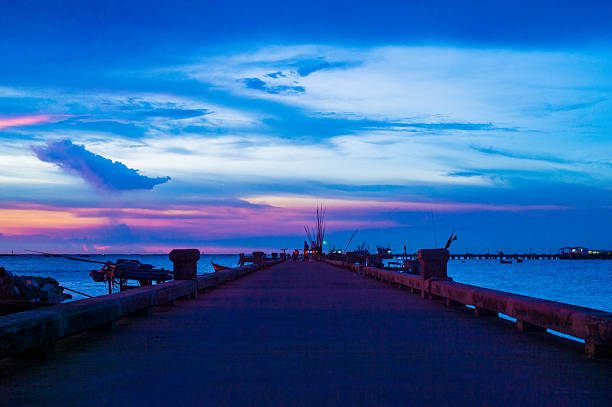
(75, 274)
(586, 283)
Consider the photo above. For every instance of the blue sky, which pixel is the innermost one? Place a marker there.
(152, 125)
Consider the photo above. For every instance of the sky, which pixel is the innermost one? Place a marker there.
(139, 127)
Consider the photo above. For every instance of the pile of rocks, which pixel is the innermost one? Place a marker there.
(30, 288)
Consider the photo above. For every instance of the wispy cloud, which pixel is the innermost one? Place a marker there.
(258, 84)
(95, 169)
(575, 106)
(521, 156)
(464, 174)
(396, 83)
(537, 157)
(306, 67)
(341, 205)
(18, 121)
(126, 114)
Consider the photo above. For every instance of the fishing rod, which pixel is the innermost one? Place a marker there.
(78, 292)
(433, 224)
(450, 240)
(123, 270)
(308, 236)
(68, 257)
(351, 239)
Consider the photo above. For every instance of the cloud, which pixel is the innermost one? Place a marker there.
(95, 169)
(255, 83)
(347, 205)
(18, 121)
(306, 67)
(452, 126)
(171, 113)
(258, 84)
(464, 174)
(397, 83)
(575, 106)
(134, 115)
(309, 67)
(275, 75)
(522, 156)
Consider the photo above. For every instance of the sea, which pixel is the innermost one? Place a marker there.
(74, 274)
(587, 283)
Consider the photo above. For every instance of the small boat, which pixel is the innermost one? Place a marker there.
(125, 269)
(519, 260)
(502, 261)
(120, 272)
(218, 267)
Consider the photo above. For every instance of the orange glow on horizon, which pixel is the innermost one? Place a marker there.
(23, 221)
(218, 221)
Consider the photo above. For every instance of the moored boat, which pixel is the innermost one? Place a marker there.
(219, 267)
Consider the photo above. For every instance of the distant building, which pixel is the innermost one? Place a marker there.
(579, 252)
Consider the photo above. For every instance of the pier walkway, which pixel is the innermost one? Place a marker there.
(307, 334)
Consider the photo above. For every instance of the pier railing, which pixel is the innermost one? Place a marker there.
(531, 314)
(39, 329)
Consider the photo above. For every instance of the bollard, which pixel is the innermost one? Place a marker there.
(258, 258)
(186, 265)
(594, 345)
(432, 265)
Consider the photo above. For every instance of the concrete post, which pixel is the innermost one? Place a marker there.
(259, 258)
(186, 265)
(432, 265)
(594, 345)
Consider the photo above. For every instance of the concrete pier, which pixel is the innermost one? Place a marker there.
(307, 333)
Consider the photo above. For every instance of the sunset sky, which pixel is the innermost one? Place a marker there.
(146, 126)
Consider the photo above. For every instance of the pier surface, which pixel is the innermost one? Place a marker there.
(307, 334)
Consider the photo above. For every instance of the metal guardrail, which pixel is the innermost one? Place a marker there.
(531, 314)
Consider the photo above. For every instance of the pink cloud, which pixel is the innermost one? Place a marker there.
(158, 230)
(207, 221)
(29, 120)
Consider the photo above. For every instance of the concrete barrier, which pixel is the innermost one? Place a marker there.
(40, 328)
(532, 314)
